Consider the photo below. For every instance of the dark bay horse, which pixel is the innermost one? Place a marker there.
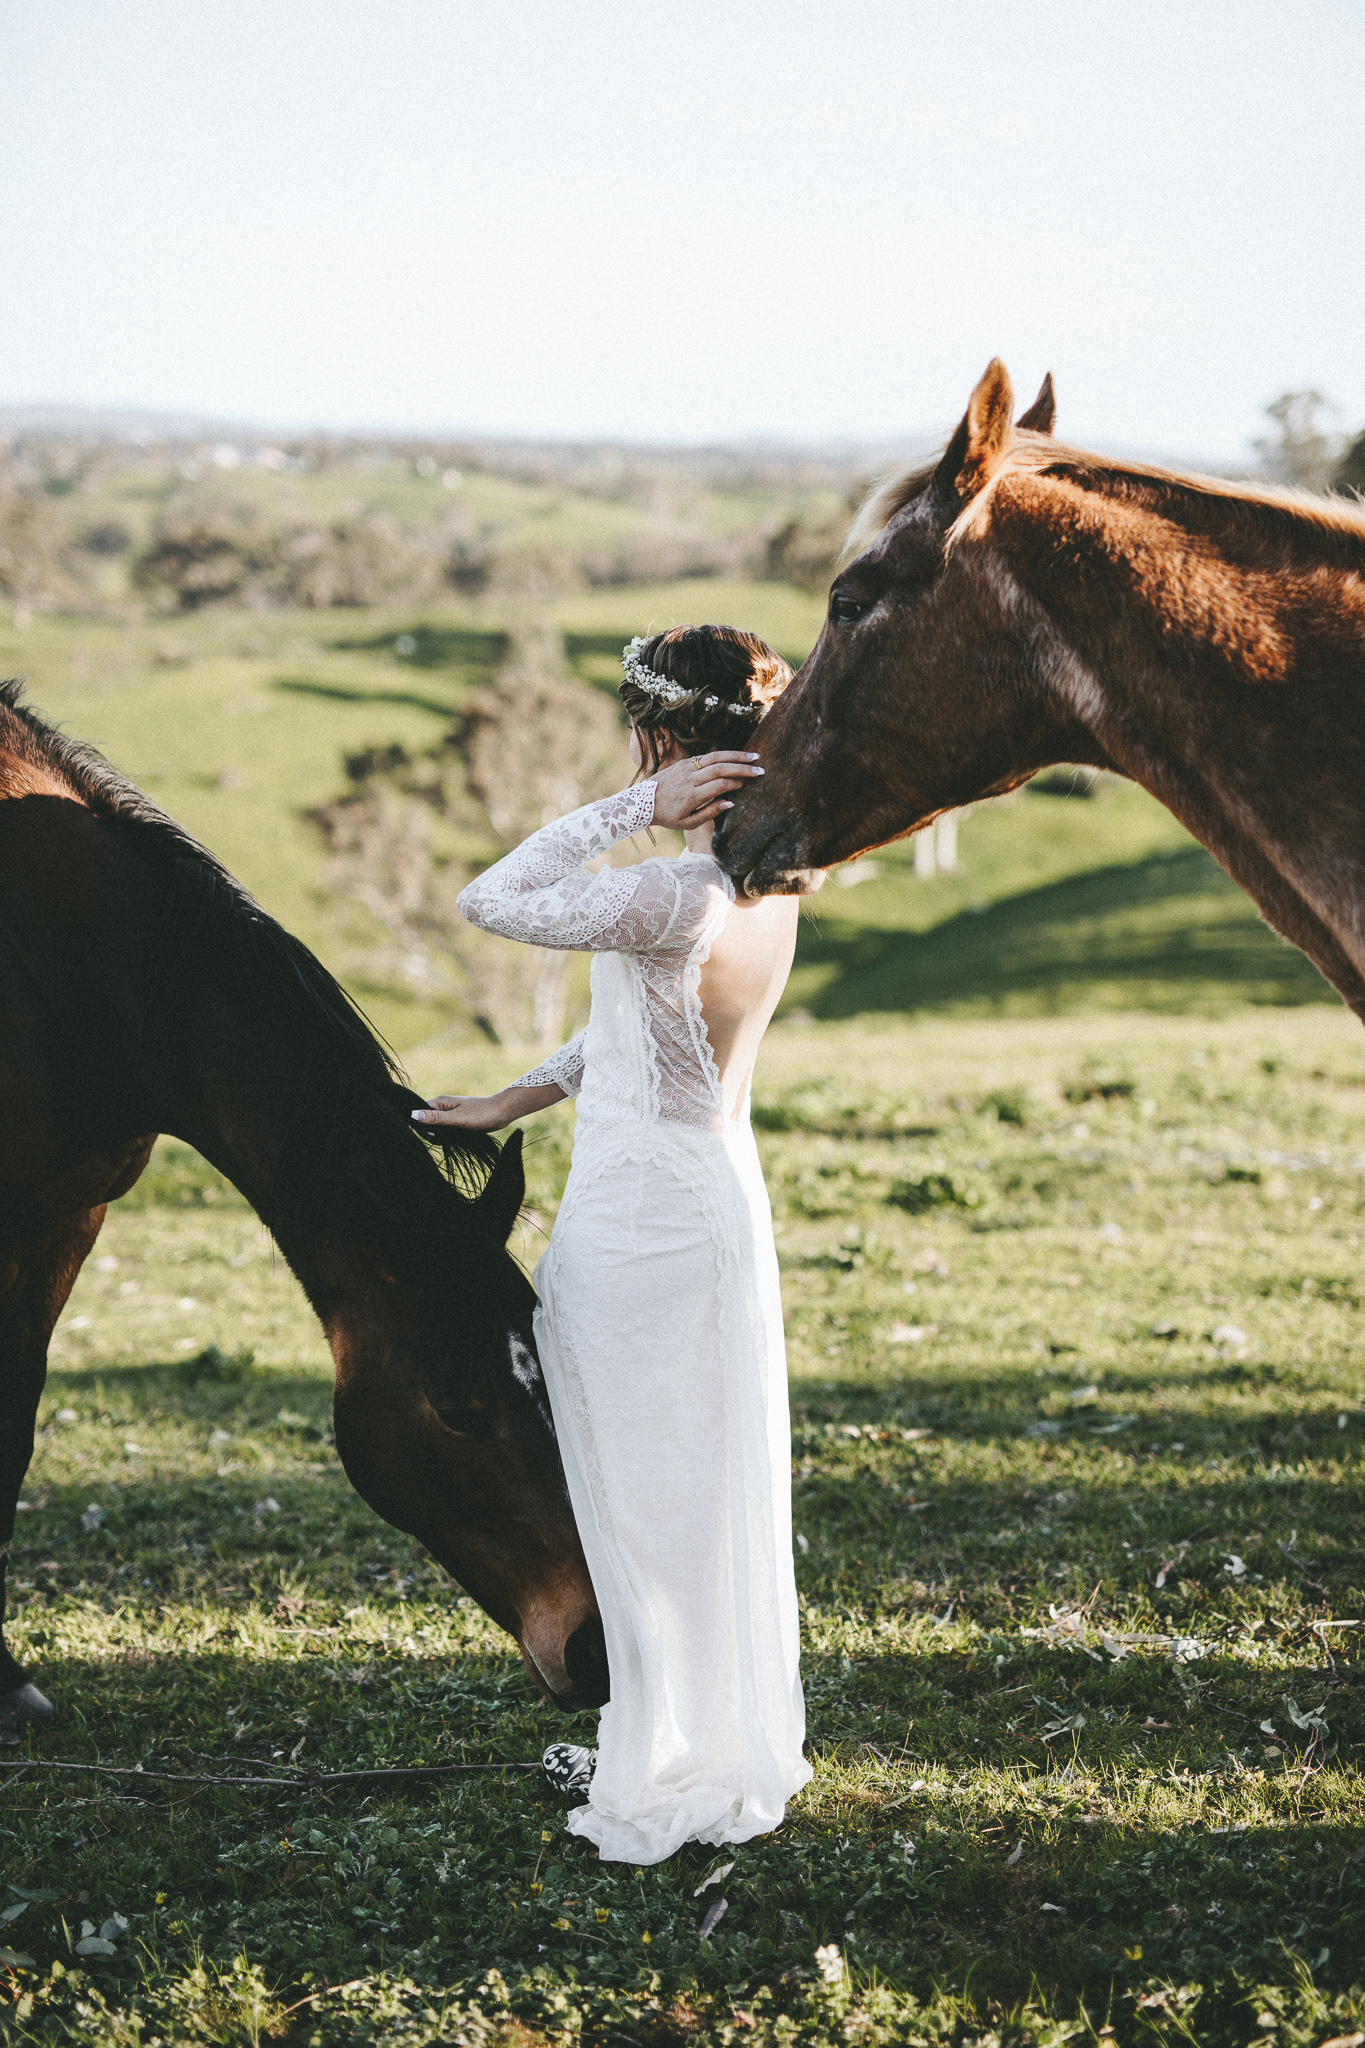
(142, 990)
(1019, 602)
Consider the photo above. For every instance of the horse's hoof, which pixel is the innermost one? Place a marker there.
(21, 1704)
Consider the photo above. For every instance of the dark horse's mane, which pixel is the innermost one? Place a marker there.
(352, 1144)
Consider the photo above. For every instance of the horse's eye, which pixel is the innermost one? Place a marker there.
(844, 610)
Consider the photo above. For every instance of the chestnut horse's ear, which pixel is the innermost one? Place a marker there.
(973, 455)
(499, 1203)
(1043, 410)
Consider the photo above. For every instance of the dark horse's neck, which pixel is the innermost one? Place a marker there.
(141, 990)
(1215, 653)
(185, 1008)
(274, 1077)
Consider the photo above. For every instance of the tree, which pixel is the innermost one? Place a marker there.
(1350, 474)
(413, 829)
(1303, 450)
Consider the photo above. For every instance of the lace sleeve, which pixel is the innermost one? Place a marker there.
(564, 1068)
(543, 893)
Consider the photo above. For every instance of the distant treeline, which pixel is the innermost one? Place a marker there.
(88, 520)
(318, 523)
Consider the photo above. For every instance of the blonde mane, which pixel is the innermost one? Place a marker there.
(1034, 454)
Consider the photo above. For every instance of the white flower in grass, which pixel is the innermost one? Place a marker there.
(830, 1963)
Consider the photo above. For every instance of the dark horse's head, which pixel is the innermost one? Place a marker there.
(441, 1416)
(909, 703)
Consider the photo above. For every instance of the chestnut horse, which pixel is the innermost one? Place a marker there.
(143, 990)
(1018, 603)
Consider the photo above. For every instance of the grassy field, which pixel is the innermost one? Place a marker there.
(1073, 1308)
(1067, 1155)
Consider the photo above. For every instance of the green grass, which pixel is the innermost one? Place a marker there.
(1014, 1252)
(1008, 1238)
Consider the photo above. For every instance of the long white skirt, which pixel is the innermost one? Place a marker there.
(660, 1335)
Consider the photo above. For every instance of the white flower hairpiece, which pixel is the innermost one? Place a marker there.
(654, 685)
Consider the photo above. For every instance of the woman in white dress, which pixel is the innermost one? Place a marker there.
(659, 1325)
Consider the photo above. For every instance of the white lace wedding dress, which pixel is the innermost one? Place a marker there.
(660, 1336)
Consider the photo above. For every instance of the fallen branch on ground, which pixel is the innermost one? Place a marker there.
(298, 1783)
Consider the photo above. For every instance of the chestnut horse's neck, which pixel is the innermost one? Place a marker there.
(1214, 650)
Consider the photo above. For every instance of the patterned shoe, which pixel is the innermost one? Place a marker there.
(568, 1768)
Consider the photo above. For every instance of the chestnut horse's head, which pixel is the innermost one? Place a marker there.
(917, 696)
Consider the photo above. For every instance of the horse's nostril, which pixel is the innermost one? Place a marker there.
(585, 1660)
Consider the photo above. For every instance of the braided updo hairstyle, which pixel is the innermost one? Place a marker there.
(719, 667)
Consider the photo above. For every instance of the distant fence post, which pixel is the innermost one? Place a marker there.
(926, 858)
(936, 847)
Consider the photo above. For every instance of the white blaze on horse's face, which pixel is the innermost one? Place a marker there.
(525, 1364)
(526, 1372)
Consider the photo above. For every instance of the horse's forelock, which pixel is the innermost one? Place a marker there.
(888, 496)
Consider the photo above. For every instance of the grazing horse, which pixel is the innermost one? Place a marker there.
(1019, 602)
(142, 990)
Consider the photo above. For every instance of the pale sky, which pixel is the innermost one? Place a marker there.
(693, 220)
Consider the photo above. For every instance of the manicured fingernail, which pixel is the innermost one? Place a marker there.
(751, 757)
(727, 806)
(419, 1116)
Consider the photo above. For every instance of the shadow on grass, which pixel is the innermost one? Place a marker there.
(1170, 933)
(433, 647)
(346, 693)
(1050, 1877)
(209, 1388)
(992, 1408)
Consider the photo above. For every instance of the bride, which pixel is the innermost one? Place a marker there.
(659, 1325)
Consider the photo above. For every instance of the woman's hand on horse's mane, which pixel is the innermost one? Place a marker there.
(465, 1112)
(487, 1112)
(691, 792)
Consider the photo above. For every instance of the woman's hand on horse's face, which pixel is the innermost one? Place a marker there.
(691, 792)
(466, 1112)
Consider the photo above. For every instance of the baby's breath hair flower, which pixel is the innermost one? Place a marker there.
(653, 684)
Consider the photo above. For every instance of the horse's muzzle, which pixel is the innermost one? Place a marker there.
(570, 1671)
(585, 1660)
(765, 862)
(784, 881)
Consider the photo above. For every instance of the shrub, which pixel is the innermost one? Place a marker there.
(212, 1364)
(36, 566)
(932, 1191)
(1098, 1082)
(413, 829)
